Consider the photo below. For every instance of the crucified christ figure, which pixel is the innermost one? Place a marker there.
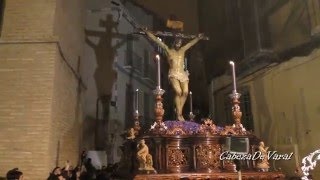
(178, 77)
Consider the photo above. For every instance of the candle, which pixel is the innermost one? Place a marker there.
(158, 65)
(233, 76)
(296, 155)
(137, 101)
(190, 101)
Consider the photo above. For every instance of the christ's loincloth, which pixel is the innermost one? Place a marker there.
(180, 76)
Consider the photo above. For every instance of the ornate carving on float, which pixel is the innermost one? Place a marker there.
(178, 157)
(228, 130)
(158, 109)
(263, 165)
(158, 127)
(144, 158)
(208, 157)
(208, 128)
(136, 128)
(177, 130)
(237, 114)
(229, 165)
(237, 128)
(131, 134)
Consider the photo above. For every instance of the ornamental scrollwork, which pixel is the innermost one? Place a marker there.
(178, 157)
(208, 156)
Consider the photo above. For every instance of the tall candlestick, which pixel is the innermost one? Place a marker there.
(137, 102)
(233, 76)
(190, 101)
(159, 76)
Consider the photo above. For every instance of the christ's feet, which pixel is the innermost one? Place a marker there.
(180, 118)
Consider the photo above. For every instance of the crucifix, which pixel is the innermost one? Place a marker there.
(178, 76)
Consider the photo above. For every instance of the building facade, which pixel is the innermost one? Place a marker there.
(277, 57)
(117, 63)
(41, 48)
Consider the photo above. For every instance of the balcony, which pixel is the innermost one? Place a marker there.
(149, 73)
(133, 62)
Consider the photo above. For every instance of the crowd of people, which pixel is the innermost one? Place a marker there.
(84, 171)
(14, 174)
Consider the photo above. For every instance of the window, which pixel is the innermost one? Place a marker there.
(146, 63)
(129, 52)
(129, 106)
(133, 60)
(147, 105)
(245, 107)
(2, 5)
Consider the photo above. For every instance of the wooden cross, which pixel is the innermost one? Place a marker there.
(174, 34)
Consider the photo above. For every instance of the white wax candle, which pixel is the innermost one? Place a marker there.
(296, 155)
(159, 76)
(137, 101)
(233, 76)
(190, 101)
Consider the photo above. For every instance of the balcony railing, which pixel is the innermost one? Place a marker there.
(133, 61)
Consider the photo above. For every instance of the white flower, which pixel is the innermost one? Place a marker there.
(164, 125)
(154, 125)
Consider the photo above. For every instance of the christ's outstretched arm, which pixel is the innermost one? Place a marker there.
(156, 40)
(192, 42)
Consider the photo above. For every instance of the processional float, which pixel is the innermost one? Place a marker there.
(186, 149)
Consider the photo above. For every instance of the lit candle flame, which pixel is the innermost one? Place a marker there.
(190, 101)
(157, 57)
(137, 101)
(159, 70)
(233, 76)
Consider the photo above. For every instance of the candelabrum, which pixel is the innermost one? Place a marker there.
(191, 116)
(158, 109)
(136, 126)
(236, 113)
